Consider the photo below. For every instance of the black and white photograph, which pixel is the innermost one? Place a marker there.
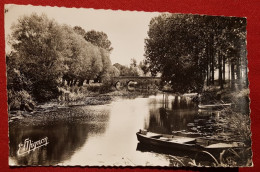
(112, 88)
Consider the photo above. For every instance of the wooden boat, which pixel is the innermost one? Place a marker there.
(214, 106)
(184, 143)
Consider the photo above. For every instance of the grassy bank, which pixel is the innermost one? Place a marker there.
(239, 98)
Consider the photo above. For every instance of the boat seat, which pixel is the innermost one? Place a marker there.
(182, 140)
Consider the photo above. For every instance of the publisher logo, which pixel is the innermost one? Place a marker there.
(30, 145)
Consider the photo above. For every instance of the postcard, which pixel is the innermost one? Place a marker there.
(90, 87)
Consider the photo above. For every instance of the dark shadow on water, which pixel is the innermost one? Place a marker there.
(65, 137)
(63, 142)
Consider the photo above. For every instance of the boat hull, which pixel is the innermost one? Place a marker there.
(186, 146)
(155, 142)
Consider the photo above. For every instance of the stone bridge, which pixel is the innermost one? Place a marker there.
(133, 82)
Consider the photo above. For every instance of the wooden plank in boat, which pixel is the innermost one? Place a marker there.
(182, 140)
(220, 145)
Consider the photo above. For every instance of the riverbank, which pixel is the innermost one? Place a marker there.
(55, 105)
(237, 117)
(238, 98)
(76, 99)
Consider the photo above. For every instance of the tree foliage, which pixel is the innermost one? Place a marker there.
(99, 39)
(182, 47)
(37, 43)
(79, 30)
(144, 67)
(45, 54)
(127, 71)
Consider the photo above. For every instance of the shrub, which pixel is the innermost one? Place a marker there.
(100, 88)
(93, 87)
(238, 123)
(45, 91)
(18, 98)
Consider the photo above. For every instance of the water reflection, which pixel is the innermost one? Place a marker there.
(169, 153)
(179, 115)
(170, 113)
(65, 136)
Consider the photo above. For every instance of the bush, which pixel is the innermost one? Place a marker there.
(100, 88)
(93, 87)
(16, 99)
(104, 89)
(238, 123)
(70, 93)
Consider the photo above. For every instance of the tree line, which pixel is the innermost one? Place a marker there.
(134, 69)
(187, 49)
(47, 55)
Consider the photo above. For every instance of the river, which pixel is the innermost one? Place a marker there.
(100, 135)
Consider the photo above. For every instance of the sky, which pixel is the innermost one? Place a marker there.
(125, 29)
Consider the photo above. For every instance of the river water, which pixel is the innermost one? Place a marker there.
(100, 135)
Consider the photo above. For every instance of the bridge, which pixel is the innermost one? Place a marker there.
(133, 82)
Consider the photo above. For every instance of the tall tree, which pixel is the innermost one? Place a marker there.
(101, 62)
(176, 49)
(38, 44)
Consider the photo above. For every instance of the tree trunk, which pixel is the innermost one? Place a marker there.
(96, 80)
(224, 70)
(74, 83)
(81, 83)
(238, 69)
(70, 83)
(220, 71)
(63, 82)
(207, 75)
(208, 62)
(229, 75)
(212, 58)
(232, 75)
(212, 69)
